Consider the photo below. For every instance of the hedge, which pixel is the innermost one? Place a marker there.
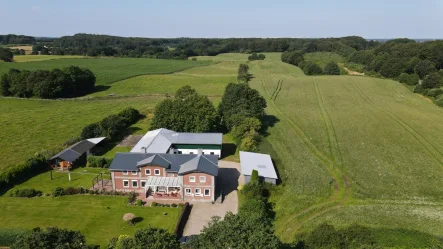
(26, 192)
(99, 162)
(9, 235)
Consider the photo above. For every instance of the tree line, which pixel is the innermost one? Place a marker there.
(68, 82)
(16, 39)
(182, 48)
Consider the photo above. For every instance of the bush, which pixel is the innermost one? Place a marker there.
(91, 131)
(132, 197)
(99, 161)
(253, 190)
(173, 205)
(70, 191)
(26, 192)
(410, 79)
(167, 205)
(439, 100)
(312, 68)
(58, 192)
(154, 204)
(71, 141)
(9, 235)
(419, 89)
(332, 69)
(433, 80)
(139, 203)
(180, 205)
(250, 142)
(130, 114)
(434, 92)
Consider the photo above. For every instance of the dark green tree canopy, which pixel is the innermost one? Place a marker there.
(424, 68)
(240, 101)
(312, 68)
(52, 237)
(155, 238)
(433, 80)
(187, 112)
(6, 55)
(332, 69)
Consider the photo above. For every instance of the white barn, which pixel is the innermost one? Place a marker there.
(250, 161)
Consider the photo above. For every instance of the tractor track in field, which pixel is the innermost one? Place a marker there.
(295, 127)
(429, 147)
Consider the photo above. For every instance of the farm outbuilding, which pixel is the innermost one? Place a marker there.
(65, 158)
(262, 163)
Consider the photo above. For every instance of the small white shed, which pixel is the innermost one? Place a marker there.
(260, 162)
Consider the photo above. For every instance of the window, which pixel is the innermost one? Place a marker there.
(125, 183)
(125, 172)
(212, 153)
(207, 192)
(134, 183)
(192, 179)
(147, 172)
(179, 152)
(156, 172)
(203, 152)
(202, 178)
(192, 153)
(170, 174)
(134, 173)
(142, 184)
(198, 191)
(188, 191)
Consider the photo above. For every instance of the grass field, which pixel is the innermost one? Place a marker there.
(99, 218)
(29, 58)
(351, 149)
(80, 177)
(28, 126)
(208, 80)
(223, 57)
(322, 58)
(111, 70)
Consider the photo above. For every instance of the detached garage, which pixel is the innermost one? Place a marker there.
(250, 161)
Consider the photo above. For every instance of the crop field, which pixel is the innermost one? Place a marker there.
(29, 126)
(99, 218)
(207, 80)
(224, 57)
(29, 58)
(111, 70)
(351, 150)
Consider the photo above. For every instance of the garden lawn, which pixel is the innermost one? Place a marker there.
(99, 218)
(80, 177)
(29, 126)
(110, 70)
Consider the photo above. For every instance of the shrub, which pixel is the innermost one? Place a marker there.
(91, 192)
(167, 205)
(71, 141)
(9, 235)
(99, 161)
(26, 192)
(254, 176)
(130, 114)
(250, 142)
(91, 131)
(180, 205)
(253, 190)
(433, 80)
(419, 89)
(434, 92)
(410, 79)
(132, 197)
(58, 192)
(439, 100)
(312, 68)
(139, 203)
(70, 191)
(332, 69)
(173, 205)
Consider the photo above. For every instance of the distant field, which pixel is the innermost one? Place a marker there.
(99, 218)
(208, 80)
(224, 57)
(29, 126)
(111, 70)
(29, 58)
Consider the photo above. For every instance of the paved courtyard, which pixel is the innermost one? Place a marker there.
(201, 212)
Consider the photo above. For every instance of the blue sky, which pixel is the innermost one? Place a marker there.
(228, 18)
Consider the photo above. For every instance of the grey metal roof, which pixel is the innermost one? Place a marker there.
(162, 181)
(260, 162)
(131, 161)
(160, 140)
(199, 164)
(74, 151)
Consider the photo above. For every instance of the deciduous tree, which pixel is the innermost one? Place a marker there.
(332, 69)
(6, 55)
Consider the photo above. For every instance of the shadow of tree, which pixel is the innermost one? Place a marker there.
(228, 149)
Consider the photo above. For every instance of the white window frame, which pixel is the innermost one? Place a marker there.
(124, 183)
(188, 193)
(155, 172)
(125, 172)
(146, 172)
(132, 173)
(142, 182)
(204, 192)
(199, 192)
(202, 177)
(132, 183)
(192, 179)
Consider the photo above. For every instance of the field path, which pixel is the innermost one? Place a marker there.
(428, 146)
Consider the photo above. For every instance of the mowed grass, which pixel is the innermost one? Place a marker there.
(207, 80)
(351, 149)
(29, 58)
(99, 218)
(29, 126)
(80, 177)
(111, 70)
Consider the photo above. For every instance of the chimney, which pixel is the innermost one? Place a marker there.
(144, 149)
